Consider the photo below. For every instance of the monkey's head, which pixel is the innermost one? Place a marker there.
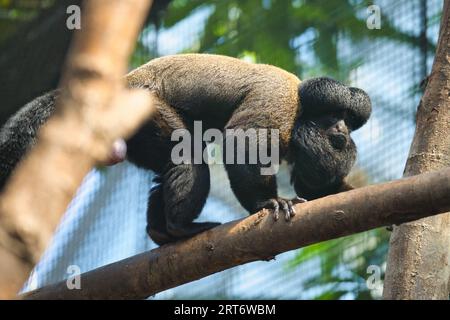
(323, 151)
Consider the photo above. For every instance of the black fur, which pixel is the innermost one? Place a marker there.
(19, 132)
(314, 118)
(324, 95)
(323, 157)
(319, 168)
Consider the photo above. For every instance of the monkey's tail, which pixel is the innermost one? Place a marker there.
(19, 132)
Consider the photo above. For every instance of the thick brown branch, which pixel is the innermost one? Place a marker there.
(91, 113)
(259, 237)
(419, 255)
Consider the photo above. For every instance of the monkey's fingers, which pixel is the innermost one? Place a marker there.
(276, 209)
(298, 200)
(284, 205)
(291, 209)
(286, 209)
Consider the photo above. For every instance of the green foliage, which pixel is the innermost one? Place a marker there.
(142, 52)
(343, 264)
(270, 29)
(14, 13)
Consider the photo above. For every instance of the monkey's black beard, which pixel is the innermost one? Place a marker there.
(318, 166)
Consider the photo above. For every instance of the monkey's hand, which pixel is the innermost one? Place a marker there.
(287, 206)
(118, 153)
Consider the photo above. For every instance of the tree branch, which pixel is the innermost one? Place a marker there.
(419, 255)
(92, 111)
(259, 237)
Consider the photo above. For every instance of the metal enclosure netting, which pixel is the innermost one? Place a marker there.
(106, 220)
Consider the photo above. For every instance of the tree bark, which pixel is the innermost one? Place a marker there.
(259, 237)
(92, 111)
(419, 255)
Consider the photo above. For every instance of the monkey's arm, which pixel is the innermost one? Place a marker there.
(256, 192)
(252, 189)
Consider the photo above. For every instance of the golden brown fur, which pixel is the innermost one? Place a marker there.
(212, 87)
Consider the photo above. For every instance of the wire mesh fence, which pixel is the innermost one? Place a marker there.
(106, 220)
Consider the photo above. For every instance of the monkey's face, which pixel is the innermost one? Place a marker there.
(323, 154)
(333, 127)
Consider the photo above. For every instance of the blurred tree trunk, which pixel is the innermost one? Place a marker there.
(92, 111)
(419, 254)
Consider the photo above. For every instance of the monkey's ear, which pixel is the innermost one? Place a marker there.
(322, 95)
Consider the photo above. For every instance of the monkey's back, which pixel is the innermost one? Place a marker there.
(211, 87)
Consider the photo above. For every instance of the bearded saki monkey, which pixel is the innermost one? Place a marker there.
(314, 118)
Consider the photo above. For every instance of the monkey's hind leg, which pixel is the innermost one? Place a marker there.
(185, 189)
(156, 218)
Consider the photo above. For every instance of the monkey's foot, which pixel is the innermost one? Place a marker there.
(160, 237)
(287, 206)
(181, 231)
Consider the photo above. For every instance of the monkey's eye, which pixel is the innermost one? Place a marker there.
(331, 121)
(351, 121)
